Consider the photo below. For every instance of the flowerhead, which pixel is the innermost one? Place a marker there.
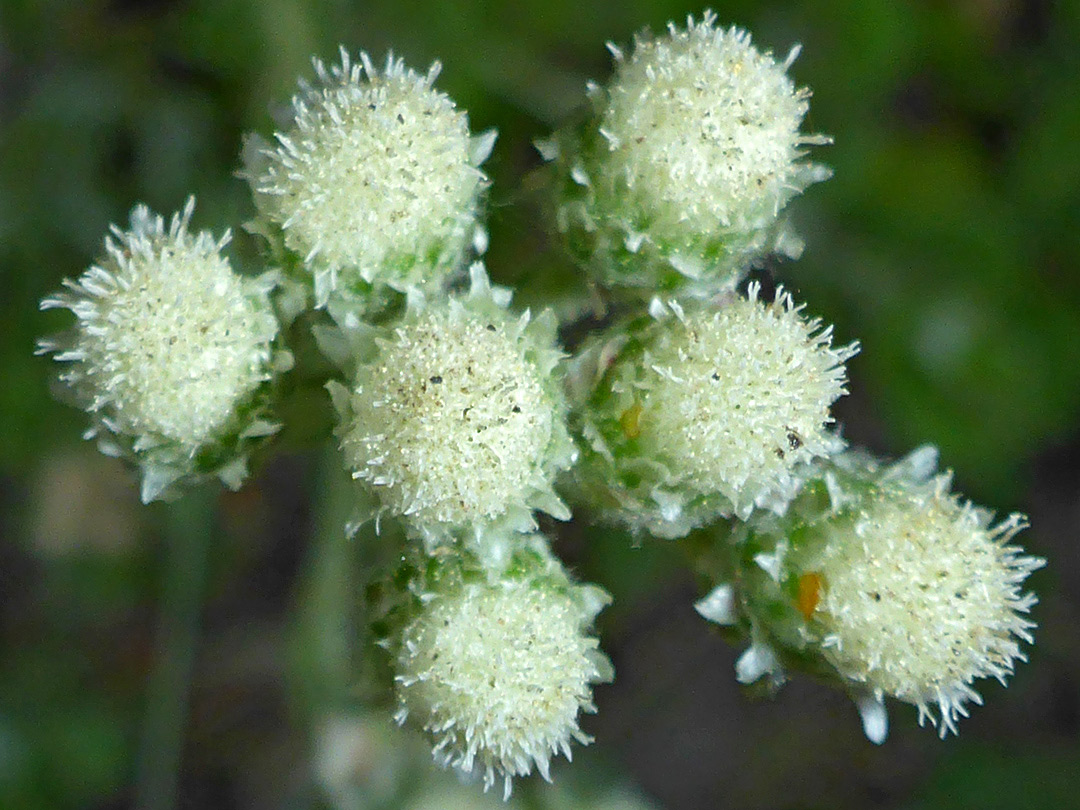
(695, 151)
(710, 411)
(375, 180)
(457, 420)
(922, 595)
(169, 350)
(901, 587)
(497, 667)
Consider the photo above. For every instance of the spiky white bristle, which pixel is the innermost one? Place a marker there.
(709, 412)
(678, 181)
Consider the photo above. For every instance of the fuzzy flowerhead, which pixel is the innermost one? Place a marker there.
(694, 152)
(922, 595)
(375, 181)
(902, 588)
(497, 668)
(169, 351)
(709, 412)
(457, 420)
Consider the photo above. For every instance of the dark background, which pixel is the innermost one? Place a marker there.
(948, 243)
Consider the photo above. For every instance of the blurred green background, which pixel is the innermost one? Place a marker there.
(948, 242)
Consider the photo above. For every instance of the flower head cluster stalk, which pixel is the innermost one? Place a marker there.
(375, 181)
(705, 412)
(676, 181)
(496, 665)
(882, 579)
(171, 352)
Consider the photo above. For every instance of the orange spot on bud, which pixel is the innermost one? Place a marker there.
(631, 421)
(809, 593)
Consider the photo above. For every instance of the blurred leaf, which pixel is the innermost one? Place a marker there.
(978, 777)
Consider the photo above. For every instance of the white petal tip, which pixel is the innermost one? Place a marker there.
(875, 718)
(719, 605)
(758, 660)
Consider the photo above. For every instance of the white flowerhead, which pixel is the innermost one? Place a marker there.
(883, 577)
(169, 350)
(710, 411)
(458, 418)
(497, 668)
(696, 150)
(922, 595)
(376, 179)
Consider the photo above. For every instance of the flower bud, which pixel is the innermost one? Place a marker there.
(457, 419)
(375, 181)
(882, 579)
(705, 412)
(496, 667)
(677, 181)
(171, 352)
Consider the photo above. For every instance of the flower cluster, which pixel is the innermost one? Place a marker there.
(692, 402)
(709, 405)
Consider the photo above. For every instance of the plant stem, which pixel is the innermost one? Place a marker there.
(187, 531)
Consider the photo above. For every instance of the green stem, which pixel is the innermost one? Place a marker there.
(334, 663)
(325, 627)
(188, 529)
